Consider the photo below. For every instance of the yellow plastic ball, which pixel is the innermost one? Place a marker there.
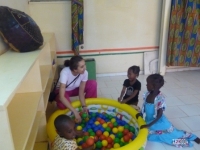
(120, 128)
(96, 122)
(116, 145)
(105, 125)
(104, 143)
(114, 130)
(112, 136)
(78, 128)
(106, 133)
(122, 139)
(108, 122)
(113, 120)
(79, 139)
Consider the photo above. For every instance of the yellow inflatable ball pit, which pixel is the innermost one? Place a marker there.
(113, 108)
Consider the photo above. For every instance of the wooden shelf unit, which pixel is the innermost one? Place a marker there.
(25, 83)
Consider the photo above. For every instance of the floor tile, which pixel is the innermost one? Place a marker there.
(197, 96)
(108, 90)
(168, 147)
(113, 84)
(184, 84)
(190, 110)
(154, 146)
(179, 124)
(101, 84)
(172, 101)
(105, 96)
(174, 112)
(192, 122)
(189, 99)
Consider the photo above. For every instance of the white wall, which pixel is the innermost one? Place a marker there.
(117, 26)
(21, 5)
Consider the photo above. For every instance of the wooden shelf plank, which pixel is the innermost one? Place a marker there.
(13, 71)
(42, 132)
(22, 112)
(47, 92)
(41, 146)
(34, 131)
(45, 71)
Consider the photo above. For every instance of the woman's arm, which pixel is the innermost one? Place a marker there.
(159, 115)
(66, 102)
(81, 93)
(130, 97)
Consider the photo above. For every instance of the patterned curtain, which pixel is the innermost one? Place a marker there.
(184, 34)
(77, 24)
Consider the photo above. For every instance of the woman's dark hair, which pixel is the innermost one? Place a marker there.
(60, 120)
(135, 69)
(73, 62)
(157, 80)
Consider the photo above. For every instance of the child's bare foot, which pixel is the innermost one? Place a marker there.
(197, 140)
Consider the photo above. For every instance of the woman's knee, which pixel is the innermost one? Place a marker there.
(91, 83)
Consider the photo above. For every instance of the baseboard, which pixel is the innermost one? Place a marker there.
(176, 69)
(114, 74)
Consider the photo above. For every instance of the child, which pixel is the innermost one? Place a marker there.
(132, 88)
(160, 129)
(65, 139)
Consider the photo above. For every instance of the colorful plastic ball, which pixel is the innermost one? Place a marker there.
(92, 134)
(96, 122)
(113, 120)
(112, 136)
(90, 141)
(110, 125)
(116, 145)
(126, 138)
(99, 133)
(90, 130)
(105, 125)
(116, 140)
(79, 139)
(84, 115)
(104, 143)
(115, 124)
(108, 129)
(126, 126)
(85, 138)
(114, 130)
(109, 139)
(119, 135)
(78, 128)
(120, 128)
(98, 144)
(125, 131)
(106, 133)
(132, 129)
(102, 137)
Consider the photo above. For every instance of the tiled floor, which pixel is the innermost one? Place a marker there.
(182, 91)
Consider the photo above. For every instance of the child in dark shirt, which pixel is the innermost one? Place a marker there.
(131, 88)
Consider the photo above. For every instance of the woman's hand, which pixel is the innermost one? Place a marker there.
(77, 116)
(85, 109)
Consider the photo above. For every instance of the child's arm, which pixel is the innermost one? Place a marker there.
(122, 94)
(130, 97)
(159, 115)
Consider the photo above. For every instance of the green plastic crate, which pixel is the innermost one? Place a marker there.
(91, 68)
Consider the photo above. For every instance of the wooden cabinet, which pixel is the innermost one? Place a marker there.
(25, 84)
